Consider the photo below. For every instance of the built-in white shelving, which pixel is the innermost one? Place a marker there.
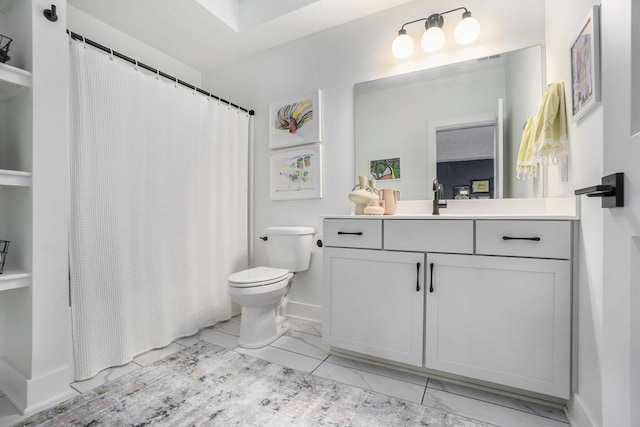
(13, 278)
(33, 94)
(12, 80)
(9, 178)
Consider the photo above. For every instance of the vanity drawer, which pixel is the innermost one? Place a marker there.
(538, 239)
(353, 233)
(429, 235)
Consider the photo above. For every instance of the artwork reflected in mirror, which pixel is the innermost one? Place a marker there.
(415, 110)
(385, 169)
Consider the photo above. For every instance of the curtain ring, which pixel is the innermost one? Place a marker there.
(137, 69)
(157, 74)
(175, 84)
(111, 54)
(84, 42)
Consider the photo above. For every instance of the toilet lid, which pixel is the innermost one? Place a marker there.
(258, 276)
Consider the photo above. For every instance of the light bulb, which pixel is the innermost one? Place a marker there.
(467, 30)
(433, 39)
(402, 45)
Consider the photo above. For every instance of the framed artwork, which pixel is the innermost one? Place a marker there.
(480, 186)
(385, 169)
(295, 121)
(460, 191)
(296, 173)
(585, 66)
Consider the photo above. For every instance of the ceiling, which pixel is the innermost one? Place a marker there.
(189, 32)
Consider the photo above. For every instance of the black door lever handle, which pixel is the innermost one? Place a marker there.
(596, 191)
(611, 190)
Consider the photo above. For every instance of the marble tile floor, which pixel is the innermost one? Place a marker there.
(301, 348)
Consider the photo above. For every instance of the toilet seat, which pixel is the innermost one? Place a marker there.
(258, 276)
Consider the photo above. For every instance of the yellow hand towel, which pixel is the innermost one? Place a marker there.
(550, 133)
(527, 166)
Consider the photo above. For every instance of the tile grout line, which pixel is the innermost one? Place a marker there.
(424, 392)
(319, 364)
(378, 374)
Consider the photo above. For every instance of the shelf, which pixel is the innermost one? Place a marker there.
(14, 278)
(12, 79)
(9, 178)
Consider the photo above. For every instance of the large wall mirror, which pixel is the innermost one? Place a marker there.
(461, 123)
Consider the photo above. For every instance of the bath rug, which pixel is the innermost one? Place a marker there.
(206, 385)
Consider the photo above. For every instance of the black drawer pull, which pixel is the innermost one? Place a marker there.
(431, 285)
(357, 233)
(418, 277)
(533, 239)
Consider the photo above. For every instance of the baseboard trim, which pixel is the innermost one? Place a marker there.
(13, 385)
(578, 413)
(304, 311)
(32, 395)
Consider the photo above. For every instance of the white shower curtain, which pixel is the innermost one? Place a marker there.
(158, 209)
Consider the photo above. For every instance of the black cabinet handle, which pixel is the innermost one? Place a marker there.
(431, 284)
(357, 233)
(533, 239)
(418, 277)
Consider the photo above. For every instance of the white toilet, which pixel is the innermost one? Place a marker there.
(263, 291)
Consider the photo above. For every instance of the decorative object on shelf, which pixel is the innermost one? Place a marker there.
(375, 207)
(295, 121)
(585, 66)
(390, 197)
(373, 186)
(4, 248)
(296, 173)
(51, 14)
(466, 31)
(5, 42)
(361, 194)
(460, 191)
(385, 169)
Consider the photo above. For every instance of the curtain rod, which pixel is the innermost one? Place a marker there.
(153, 70)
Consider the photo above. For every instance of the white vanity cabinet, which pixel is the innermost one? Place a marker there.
(495, 307)
(500, 319)
(374, 300)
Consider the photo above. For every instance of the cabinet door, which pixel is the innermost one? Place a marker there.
(374, 303)
(498, 319)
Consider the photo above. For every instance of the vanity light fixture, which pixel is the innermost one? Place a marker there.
(467, 31)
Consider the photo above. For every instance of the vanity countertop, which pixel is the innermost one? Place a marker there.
(559, 208)
(458, 216)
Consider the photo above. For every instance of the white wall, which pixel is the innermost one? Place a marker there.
(333, 61)
(563, 21)
(86, 25)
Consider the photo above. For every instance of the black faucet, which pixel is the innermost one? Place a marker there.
(438, 193)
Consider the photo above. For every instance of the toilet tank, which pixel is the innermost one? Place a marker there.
(289, 247)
